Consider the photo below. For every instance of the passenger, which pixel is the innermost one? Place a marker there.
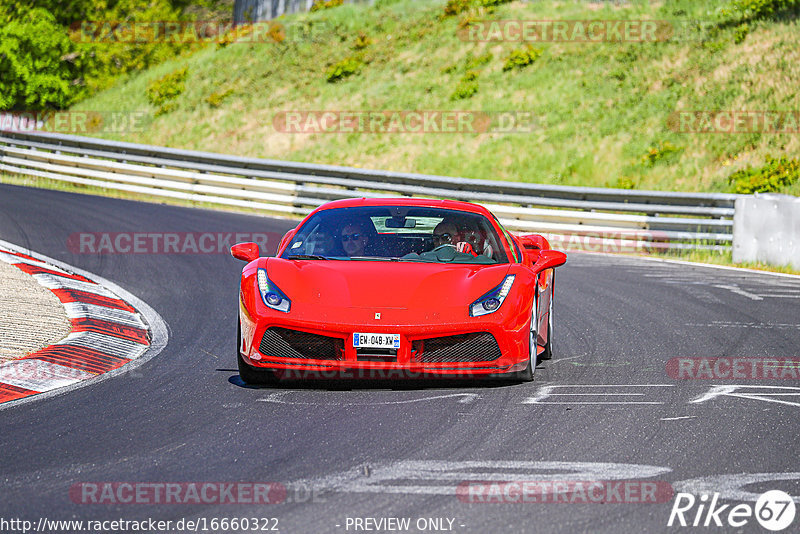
(478, 240)
(354, 239)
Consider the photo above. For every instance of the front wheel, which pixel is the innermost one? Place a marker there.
(548, 348)
(526, 375)
(249, 374)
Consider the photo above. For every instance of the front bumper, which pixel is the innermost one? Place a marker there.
(505, 348)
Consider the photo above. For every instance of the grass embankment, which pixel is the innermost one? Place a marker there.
(602, 109)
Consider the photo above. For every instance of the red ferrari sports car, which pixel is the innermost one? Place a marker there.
(397, 288)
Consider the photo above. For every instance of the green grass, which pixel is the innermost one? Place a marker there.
(600, 108)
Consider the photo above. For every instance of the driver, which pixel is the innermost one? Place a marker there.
(445, 233)
(354, 239)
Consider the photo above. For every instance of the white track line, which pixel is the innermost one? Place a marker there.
(114, 346)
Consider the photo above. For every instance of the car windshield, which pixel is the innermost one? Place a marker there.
(397, 233)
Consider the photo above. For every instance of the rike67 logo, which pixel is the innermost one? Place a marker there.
(774, 510)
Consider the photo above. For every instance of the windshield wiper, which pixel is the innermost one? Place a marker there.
(375, 258)
(306, 257)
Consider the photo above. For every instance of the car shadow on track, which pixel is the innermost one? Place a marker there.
(345, 384)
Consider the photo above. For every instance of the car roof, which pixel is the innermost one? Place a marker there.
(405, 201)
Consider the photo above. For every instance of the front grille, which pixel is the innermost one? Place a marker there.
(476, 347)
(376, 355)
(285, 343)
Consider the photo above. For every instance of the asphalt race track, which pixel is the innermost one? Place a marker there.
(604, 409)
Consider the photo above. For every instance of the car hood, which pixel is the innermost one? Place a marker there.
(383, 284)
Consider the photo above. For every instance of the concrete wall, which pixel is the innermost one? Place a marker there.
(766, 228)
(260, 10)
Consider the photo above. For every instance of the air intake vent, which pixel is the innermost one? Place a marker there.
(285, 343)
(477, 347)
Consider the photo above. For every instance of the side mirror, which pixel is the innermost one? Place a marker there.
(549, 259)
(533, 242)
(245, 251)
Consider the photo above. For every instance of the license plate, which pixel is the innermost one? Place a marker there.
(363, 340)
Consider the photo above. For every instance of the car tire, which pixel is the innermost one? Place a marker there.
(548, 348)
(249, 374)
(526, 375)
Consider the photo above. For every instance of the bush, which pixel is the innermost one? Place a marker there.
(521, 58)
(64, 12)
(109, 55)
(740, 33)
(773, 176)
(344, 68)
(163, 91)
(471, 63)
(215, 99)
(319, 5)
(492, 3)
(362, 41)
(467, 87)
(759, 9)
(623, 182)
(456, 7)
(39, 65)
(659, 153)
(50, 59)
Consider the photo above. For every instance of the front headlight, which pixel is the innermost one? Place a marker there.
(271, 295)
(491, 301)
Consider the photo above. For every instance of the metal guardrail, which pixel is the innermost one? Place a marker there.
(585, 217)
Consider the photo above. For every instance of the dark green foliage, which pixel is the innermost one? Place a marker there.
(343, 69)
(491, 3)
(521, 57)
(456, 7)
(665, 150)
(761, 9)
(472, 63)
(776, 174)
(55, 52)
(740, 33)
(215, 99)
(163, 91)
(467, 87)
(39, 68)
(319, 5)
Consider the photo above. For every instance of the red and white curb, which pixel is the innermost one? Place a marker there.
(112, 331)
